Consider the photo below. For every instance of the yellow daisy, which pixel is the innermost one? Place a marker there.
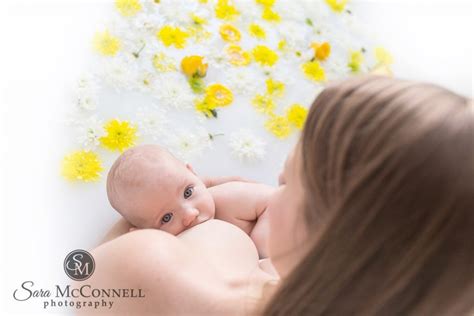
(81, 165)
(296, 115)
(264, 55)
(163, 63)
(356, 58)
(383, 56)
(314, 71)
(106, 44)
(269, 15)
(266, 3)
(274, 87)
(279, 126)
(128, 7)
(337, 5)
(225, 10)
(219, 95)
(229, 33)
(171, 35)
(204, 106)
(120, 135)
(263, 103)
(237, 56)
(257, 31)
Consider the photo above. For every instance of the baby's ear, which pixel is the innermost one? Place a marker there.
(190, 168)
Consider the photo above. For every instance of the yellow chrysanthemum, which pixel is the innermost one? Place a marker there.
(321, 50)
(197, 20)
(314, 71)
(337, 5)
(296, 115)
(269, 15)
(229, 33)
(237, 56)
(264, 55)
(263, 103)
(219, 95)
(205, 107)
(198, 33)
(106, 44)
(257, 31)
(383, 56)
(279, 126)
(282, 45)
(194, 66)
(356, 58)
(81, 165)
(128, 7)
(171, 35)
(163, 63)
(274, 87)
(120, 135)
(266, 3)
(225, 10)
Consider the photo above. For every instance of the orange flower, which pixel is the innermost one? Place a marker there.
(321, 51)
(194, 66)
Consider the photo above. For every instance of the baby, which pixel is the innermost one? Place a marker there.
(150, 188)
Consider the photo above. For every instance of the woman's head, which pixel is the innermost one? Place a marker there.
(387, 173)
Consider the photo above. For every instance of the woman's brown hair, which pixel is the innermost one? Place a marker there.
(388, 170)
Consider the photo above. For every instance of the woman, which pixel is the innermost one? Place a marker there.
(373, 216)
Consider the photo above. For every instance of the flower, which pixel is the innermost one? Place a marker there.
(247, 146)
(219, 95)
(106, 44)
(81, 165)
(152, 122)
(337, 5)
(90, 131)
(186, 144)
(314, 71)
(163, 63)
(270, 15)
(274, 87)
(383, 56)
(241, 81)
(356, 58)
(85, 93)
(266, 3)
(263, 103)
(264, 55)
(321, 50)
(205, 107)
(257, 31)
(229, 33)
(120, 72)
(279, 126)
(296, 115)
(120, 135)
(128, 7)
(171, 35)
(226, 11)
(237, 56)
(174, 91)
(194, 66)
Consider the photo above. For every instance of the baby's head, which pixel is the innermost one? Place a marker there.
(153, 189)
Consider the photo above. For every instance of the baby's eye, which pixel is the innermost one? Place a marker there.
(188, 192)
(166, 218)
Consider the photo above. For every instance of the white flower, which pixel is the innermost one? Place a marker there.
(172, 90)
(120, 72)
(186, 144)
(177, 12)
(85, 94)
(247, 146)
(295, 34)
(152, 122)
(89, 132)
(243, 80)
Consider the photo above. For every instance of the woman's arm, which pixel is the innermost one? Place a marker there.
(119, 228)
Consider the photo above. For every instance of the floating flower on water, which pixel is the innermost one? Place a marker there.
(204, 106)
(194, 66)
(229, 33)
(274, 87)
(257, 31)
(241, 81)
(163, 63)
(219, 95)
(237, 56)
(266, 3)
(264, 55)
(89, 132)
(85, 93)
(152, 123)
(128, 7)
(356, 58)
(282, 45)
(337, 5)
(81, 165)
(247, 146)
(314, 71)
(383, 56)
(197, 20)
(296, 115)
(269, 15)
(279, 126)
(263, 103)
(321, 50)
(120, 135)
(106, 44)
(171, 35)
(225, 10)
(186, 144)
(174, 91)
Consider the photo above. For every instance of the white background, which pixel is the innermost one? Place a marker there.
(44, 47)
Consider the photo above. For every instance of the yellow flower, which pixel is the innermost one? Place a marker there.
(276, 88)
(197, 20)
(226, 11)
(170, 35)
(198, 33)
(321, 50)
(257, 31)
(266, 3)
(205, 107)
(81, 165)
(264, 55)
(282, 45)
(219, 95)
(194, 66)
(163, 63)
(296, 115)
(120, 135)
(128, 7)
(356, 58)
(279, 126)
(263, 103)
(106, 44)
(314, 71)
(337, 5)
(237, 56)
(383, 56)
(270, 15)
(229, 33)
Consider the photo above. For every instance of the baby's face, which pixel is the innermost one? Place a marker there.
(171, 198)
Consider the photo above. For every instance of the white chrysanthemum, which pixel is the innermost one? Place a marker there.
(85, 94)
(216, 56)
(152, 122)
(173, 90)
(242, 80)
(120, 72)
(247, 146)
(295, 34)
(89, 131)
(177, 12)
(186, 144)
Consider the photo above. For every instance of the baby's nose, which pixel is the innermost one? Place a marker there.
(189, 216)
